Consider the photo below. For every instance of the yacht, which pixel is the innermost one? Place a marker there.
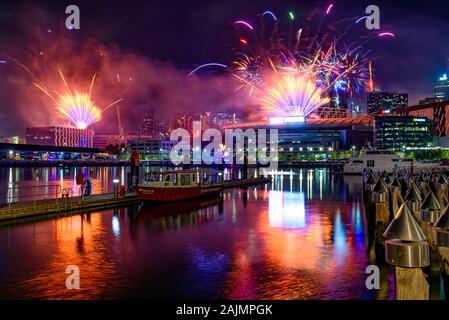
(383, 160)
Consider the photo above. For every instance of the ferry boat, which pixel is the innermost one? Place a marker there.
(178, 185)
(383, 160)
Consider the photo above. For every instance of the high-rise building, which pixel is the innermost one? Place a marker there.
(385, 102)
(356, 110)
(338, 107)
(441, 88)
(147, 128)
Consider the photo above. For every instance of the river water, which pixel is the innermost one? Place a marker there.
(302, 237)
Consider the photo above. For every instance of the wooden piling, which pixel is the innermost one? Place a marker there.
(411, 284)
(382, 213)
(444, 267)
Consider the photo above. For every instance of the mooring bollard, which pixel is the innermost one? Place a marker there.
(422, 185)
(395, 185)
(380, 197)
(430, 212)
(370, 181)
(441, 240)
(441, 188)
(396, 202)
(408, 251)
(413, 200)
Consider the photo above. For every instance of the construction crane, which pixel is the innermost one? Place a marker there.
(120, 128)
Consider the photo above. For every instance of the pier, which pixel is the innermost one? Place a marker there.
(65, 205)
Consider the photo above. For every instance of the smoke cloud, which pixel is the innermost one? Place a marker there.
(36, 53)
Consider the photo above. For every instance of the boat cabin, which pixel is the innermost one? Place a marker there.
(182, 178)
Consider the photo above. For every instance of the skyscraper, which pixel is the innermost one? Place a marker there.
(441, 88)
(147, 128)
(339, 104)
(386, 102)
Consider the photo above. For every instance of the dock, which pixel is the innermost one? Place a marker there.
(242, 183)
(67, 205)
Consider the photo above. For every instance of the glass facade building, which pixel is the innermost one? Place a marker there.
(398, 132)
(385, 102)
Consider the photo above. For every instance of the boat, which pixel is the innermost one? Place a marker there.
(178, 185)
(383, 160)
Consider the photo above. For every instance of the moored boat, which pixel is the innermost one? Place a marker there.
(178, 185)
(383, 160)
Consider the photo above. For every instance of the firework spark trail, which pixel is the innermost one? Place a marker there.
(207, 65)
(371, 83)
(24, 67)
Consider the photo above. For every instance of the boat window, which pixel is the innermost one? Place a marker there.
(185, 179)
(370, 163)
(357, 161)
(153, 177)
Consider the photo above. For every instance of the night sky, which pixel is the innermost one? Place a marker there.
(185, 34)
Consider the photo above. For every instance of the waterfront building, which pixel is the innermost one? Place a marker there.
(385, 102)
(393, 132)
(437, 112)
(151, 149)
(316, 136)
(44, 152)
(101, 141)
(13, 140)
(60, 136)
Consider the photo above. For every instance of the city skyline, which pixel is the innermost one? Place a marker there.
(149, 44)
(224, 154)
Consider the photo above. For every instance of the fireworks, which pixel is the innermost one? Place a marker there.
(292, 94)
(75, 106)
(79, 109)
(299, 75)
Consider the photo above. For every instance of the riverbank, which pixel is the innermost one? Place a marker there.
(8, 163)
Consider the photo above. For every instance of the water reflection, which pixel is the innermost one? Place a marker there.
(295, 239)
(28, 184)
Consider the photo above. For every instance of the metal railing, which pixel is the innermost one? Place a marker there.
(17, 194)
(59, 198)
